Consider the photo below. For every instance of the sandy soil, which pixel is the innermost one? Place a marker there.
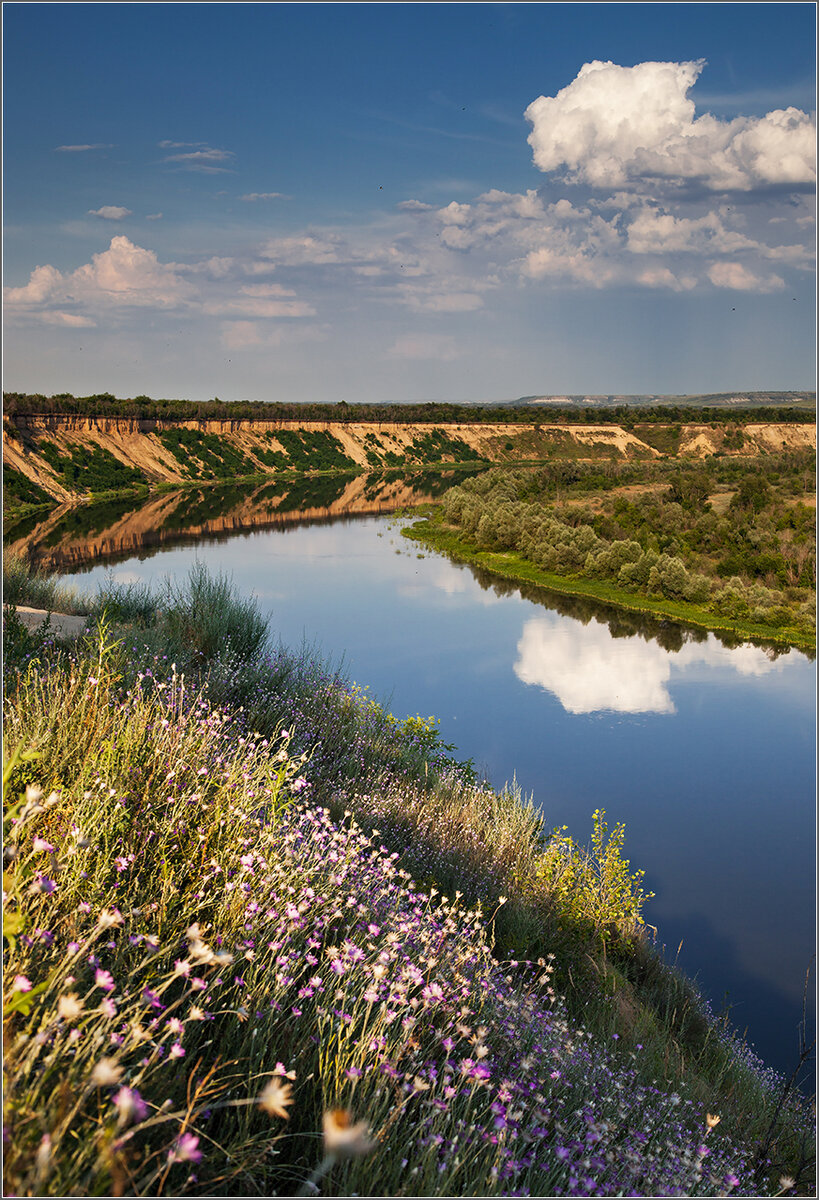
(63, 625)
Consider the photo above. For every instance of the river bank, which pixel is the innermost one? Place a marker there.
(396, 778)
(432, 532)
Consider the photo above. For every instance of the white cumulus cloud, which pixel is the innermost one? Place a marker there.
(734, 275)
(621, 127)
(110, 212)
(122, 275)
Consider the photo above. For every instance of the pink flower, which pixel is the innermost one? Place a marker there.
(177, 1051)
(433, 991)
(21, 984)
(186, 1149)
(130, 1105)
(103, 979)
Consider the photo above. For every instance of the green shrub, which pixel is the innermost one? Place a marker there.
(203, 617)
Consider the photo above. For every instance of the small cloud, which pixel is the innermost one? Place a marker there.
(154, 217)
(70, 320)
(414, 206)
(247, 335)
(661, 277)
(197, 156)
(82, 149)
(110, 212)
(250, 307)
(301, 251)
(424, 346)
(442, 302)
(207, 155)
(252, 196)
(43, 283)
(240, 335)
(217, 267)
(733, 275)
(265, 290)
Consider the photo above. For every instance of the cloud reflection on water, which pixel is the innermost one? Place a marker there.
(590, 671)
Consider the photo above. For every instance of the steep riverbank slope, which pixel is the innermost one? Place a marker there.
(68, 457)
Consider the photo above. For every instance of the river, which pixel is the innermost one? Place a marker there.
(705, 752)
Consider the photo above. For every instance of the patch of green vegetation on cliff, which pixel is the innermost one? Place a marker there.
(205, 455)
(21, 493)
(89, 468)
(307, 450)
(437, 445)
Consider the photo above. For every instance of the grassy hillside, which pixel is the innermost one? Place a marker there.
(264, 937)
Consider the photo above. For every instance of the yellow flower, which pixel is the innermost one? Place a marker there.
(711, 1121)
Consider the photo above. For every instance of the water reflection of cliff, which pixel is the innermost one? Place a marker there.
(75, 536)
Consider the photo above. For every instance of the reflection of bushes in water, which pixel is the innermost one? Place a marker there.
(13, 531)
(429, 482)
(87, 520)
(315, 492)
(622, 623)
(203, 504)
(436, 483)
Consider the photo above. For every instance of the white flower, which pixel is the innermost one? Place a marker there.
(69, 1006)
(342, 1137)
(275, 1098)
(106, 1072)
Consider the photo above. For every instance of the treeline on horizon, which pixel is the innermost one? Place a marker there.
(143, 408)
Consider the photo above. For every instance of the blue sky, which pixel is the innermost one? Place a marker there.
(394, 202)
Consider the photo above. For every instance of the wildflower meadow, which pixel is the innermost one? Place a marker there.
(261, 937)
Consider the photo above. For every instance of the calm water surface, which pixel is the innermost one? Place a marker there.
(706, 753)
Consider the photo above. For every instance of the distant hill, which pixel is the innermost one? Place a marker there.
(706, 400)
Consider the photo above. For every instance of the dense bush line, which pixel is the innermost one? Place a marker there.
(738, 539)
(144, 408)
